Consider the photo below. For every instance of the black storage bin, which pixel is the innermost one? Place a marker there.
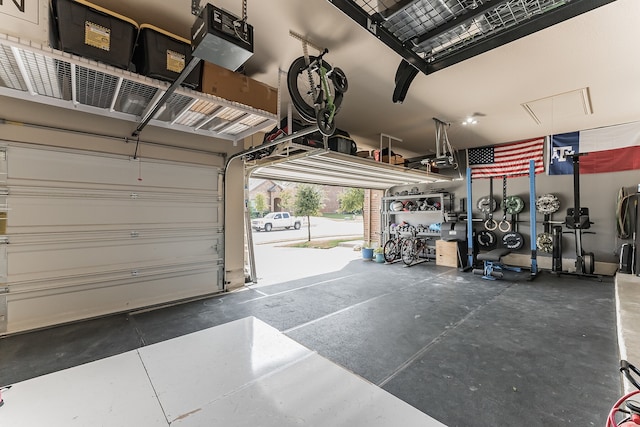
(162, 55)
(88, 30)
(340, 141)
(342, 144)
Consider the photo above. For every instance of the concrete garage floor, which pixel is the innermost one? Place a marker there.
(466, 351)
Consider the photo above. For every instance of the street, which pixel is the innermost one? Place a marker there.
(320, 228)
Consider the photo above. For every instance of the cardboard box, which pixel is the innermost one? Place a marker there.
(236, 87)
(396, 159)
(365, 154)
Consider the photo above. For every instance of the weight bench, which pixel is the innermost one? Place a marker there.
(492, 264)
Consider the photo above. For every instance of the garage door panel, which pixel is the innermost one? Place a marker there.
(29, 310)
(33, 261)
(73, 212)
(91, 234)
(46, 164)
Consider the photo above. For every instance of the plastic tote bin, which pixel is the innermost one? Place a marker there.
(162, 55)
(88, 30)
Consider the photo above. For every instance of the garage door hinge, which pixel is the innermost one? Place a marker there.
(134, 196)
(4, 290)
(135, 234)
(4, 240)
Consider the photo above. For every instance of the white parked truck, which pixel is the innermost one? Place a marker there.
(276, 220)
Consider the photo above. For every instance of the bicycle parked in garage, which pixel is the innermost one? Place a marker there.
(317, 90)
(392, 248)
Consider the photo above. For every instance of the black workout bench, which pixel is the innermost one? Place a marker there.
(492, 264)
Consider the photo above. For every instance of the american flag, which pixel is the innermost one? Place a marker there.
(506, 159)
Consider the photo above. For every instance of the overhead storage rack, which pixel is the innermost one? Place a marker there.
(433, 34)
(36, 73)
(300, 163)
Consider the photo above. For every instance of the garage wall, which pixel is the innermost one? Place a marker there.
(598, 193)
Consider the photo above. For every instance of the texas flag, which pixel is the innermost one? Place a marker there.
(610, 149)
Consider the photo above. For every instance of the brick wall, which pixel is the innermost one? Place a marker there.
(372, 216)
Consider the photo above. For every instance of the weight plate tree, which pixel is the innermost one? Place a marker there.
(546, 204)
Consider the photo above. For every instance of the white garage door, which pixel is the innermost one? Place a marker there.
(90, 234)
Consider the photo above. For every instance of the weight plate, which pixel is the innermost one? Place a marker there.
(487, 239)
(485, 202)
(513, 241)
(547, 204)
(513, 205)
(544, 242)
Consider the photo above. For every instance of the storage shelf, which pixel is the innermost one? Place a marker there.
(439, 212)
(414, 197)
(33, 72)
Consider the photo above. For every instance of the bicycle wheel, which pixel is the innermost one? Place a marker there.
(326, 124)
(300, 88)
(391, 250)
(408, 251)
(339, 79)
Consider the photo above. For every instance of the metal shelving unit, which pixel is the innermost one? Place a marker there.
(422, 216)
(37, 73)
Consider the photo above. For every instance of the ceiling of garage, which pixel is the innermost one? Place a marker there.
(579, 74)
(592, 54)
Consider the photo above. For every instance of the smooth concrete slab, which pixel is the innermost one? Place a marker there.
(110, 392)
(243, 373)
(311, 392)
(194, 370)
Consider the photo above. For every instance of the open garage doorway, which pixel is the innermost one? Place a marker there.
(300, 245)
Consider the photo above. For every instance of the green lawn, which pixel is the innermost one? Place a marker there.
(319, 244)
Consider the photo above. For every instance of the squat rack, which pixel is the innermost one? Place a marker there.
(532, 220)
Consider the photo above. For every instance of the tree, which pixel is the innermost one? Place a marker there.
(308, 202)
(286, 200)
(260, 204)
(351, 200)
